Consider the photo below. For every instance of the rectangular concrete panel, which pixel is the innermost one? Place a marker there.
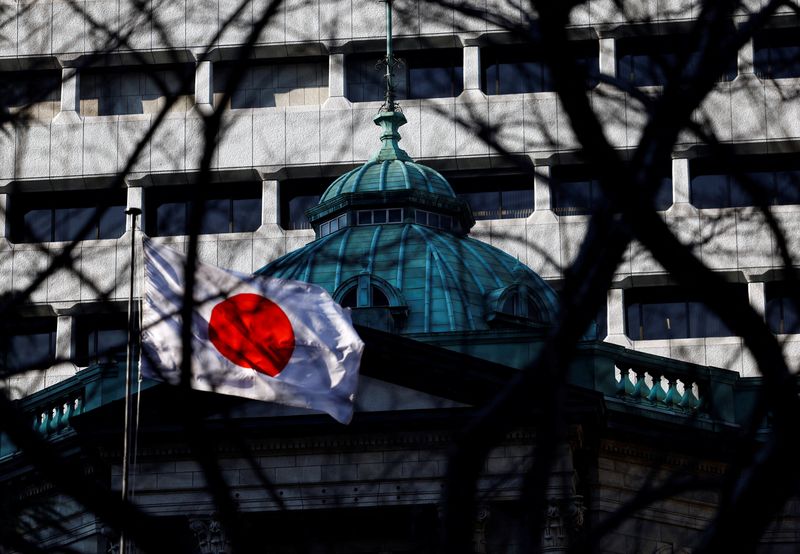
(302, 135)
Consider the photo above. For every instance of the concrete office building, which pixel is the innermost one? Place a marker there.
(302, 117)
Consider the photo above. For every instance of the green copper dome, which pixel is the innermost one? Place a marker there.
(391, 243)
(389, 175)
(391, 168)
(441, 281)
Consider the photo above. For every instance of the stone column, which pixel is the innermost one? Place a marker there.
(270, 203)
(744, 59)
(608, 57)
(757, 296)
(70, 90)
(337, 81)
(3, 211)
(64, 346)
(541, 189)
(472, 68)
(615, 309)
(563, 519)
(204, 87)
(680, 181)
(135, 200)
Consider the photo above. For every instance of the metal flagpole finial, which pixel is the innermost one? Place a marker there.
(389, 104)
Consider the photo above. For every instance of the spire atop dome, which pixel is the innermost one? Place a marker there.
(390, 117)
(390, 62)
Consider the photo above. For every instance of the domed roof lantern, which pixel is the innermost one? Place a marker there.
(391, 244)
(390, 180)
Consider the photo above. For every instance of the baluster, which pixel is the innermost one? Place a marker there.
(42, 428)
(641, 390)
(624, 386)
(689, 402)
(66, 413)
(55, 415)
(657, 394)
(673, 396)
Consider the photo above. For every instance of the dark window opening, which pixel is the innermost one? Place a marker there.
(496, 196)
(229, 208)
(333, 225)
(431, 219)
(762, 180)
(783, 316)
(100, 338)
(518, 68)
(62, 216)
(350, 298)
(297, 196)
(135, 90)
(434, 73)
(19, 89)
(575, 191)
(669, 313)
(28, 343)
(776, 54)
(266, 84)
(600, 321)
(652, 60)
(369, 217)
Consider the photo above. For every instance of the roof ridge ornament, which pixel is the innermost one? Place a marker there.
(390, 117)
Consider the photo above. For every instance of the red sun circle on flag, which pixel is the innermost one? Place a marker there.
(252, 331)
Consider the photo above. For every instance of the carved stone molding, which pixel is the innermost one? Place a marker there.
(563, 522)
(210, 535)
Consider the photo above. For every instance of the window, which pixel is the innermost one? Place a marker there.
(776, 54)
(575, 191)
(61, 216)
(649, 61)
(275, 83)
(333, 225)
(669, 313)
(39, 92)
(231, 208)
(297, 196)
(496, 196)
(431, 219)
(783, 316)
(100, 338)
(135, 90)
(371, 217)
(776, 178)
(435, 73)
(600, 329)
(28, 343)
(367, 291)
(518, 68)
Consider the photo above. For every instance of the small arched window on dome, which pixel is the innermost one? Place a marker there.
(374, 301)
(515, 303)
(367, 291)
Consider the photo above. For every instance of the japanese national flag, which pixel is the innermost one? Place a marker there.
(258, 337)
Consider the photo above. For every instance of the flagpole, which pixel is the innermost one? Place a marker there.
(129, 364)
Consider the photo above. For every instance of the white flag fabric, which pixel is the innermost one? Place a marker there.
(257, 337)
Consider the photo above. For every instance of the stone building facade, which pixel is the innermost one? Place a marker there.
(301, 118)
